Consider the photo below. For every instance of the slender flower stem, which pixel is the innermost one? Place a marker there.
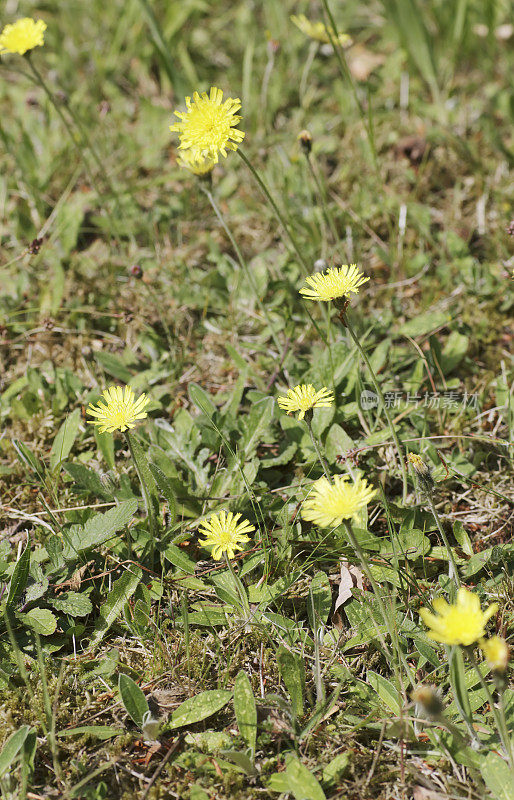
(242, 262)
(347, 76)
(240, 589)
(376, 589)
(499, 717)
(380, 394)
(453, 571)
(150, 512)
(275, 208)
(317, 448)
(42, 83)
(322, 196)
(451, 654)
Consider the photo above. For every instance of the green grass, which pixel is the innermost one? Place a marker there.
(325, 709)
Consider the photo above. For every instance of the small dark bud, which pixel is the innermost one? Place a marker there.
(136, 271)
(510, 228)
(305, 139)
(35, 246)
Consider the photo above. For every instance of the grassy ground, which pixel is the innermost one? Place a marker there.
(409, 177)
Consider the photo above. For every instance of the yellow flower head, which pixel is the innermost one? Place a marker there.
(304, 397)
(496, 651)
(22, 35)
(318, 30)
(328, 504)
(122, 410)
(200, 167)
(224, 533)
(334, 283)
(462, 623)
(207, 128)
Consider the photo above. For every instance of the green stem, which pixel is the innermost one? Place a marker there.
(499, 718)
(376, 589)
(453, 565)
(347, 76)
(243, 264)
(41, 82)
(150, 512)
(380, 394)
(50, 723)
(240, 589)
(276, 209)
(317, 448)
(162, 318)
(324, 207)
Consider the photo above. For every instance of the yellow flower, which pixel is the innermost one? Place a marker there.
(207, 128)
(199, 167)
(304, 397)
(224, 533)
(318, 30)
(22, 35)
(334, 283)
(328, 504)
(496, 651)
(122, 409)
(462, 623)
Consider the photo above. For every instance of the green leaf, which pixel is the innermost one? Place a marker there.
(337, 443)
(408, 20)
(85, 479)
(65, 439)
(180, 559)
(166, 488)
(143, 468)
(20, 576)
(200, 707)
(114, 366)
(201, 400)
(497, 777)
(292, 671)
(424, 323)
(28, 459)
(319, 601)
(336, 768)
(121, 591)
(458, 682)
(75, 604)
(454, 351)
(133, 699)
(12, 747)
(296, 780)
(98, 731)
(245, 709)
(99, 528)
(105, 443)
(385, 690)
(256, 423)
(40, 620)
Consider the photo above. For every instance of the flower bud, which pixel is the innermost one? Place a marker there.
(429, 699)
(496, 651)
(422, 472)
(305, 139)
(136, 271)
